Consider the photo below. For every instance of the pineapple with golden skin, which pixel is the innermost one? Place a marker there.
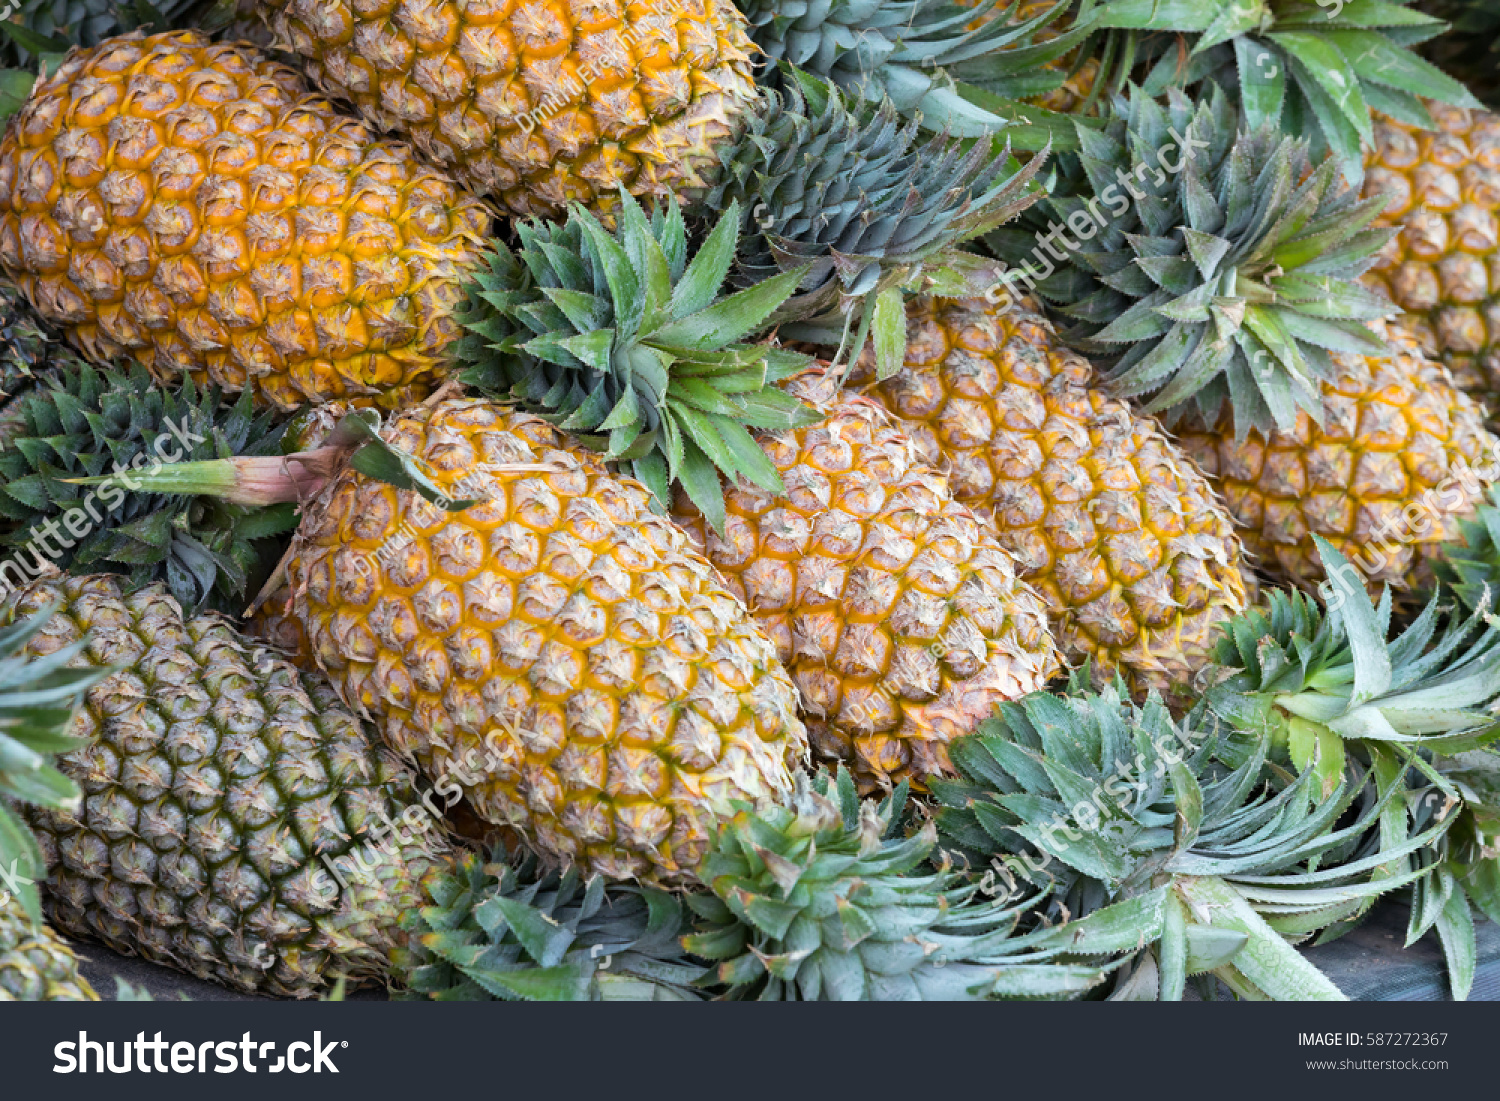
(623, 694)
(495, 590)
(1116, 528)
(899, 617)
(1442, 188)
(539, 105)
(1400, 458)
(193, 205)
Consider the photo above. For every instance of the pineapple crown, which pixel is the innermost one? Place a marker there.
(38, 698)
(80, 449)
(1460, 870)
(1325, 680)
(1224, 271)
(818, 899)
(621, 338)
(1316, 69)
(958, 69)
(815, 899)
(868, 210)
(1164, 845)
(517, 931)
(1471, 568)
(1418, 708)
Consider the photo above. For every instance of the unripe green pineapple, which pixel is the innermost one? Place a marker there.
(35, 964)
(233, 813)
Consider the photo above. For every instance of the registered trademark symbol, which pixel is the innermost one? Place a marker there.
(343, 1043)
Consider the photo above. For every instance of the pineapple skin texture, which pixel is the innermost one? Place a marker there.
(540, 105)
(556, 649)
(35, 964)
(1443, 269)
(1105, 517)
(1380, 479)
(217, 781)
(195, 206)
(901, 621)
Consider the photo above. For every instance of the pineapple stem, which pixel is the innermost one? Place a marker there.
(253, 480)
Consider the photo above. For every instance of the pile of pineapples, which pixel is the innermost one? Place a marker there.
(671, 500)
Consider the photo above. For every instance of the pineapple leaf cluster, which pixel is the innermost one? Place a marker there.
(1297, 66)
(1470, 568)
(820, 899)
(511, 930)
(38, 698)
(1171, 847)
(1416, 711)
(1460, 869)
(869, 210)
(71, 484)
(1325, 682)
(46, 27)
(621, 339)
(1216, 267)
(959, 70)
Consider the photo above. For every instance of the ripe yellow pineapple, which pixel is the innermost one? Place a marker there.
(624, 696)
(1398, 461)
(539, 104)
(195, 206)
(899, 617)
(1106, 518)
(1443, 269)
